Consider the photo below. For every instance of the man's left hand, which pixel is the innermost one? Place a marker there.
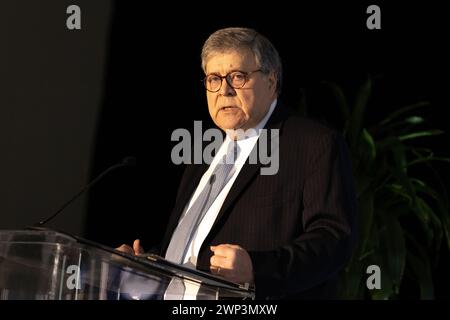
(232, 262)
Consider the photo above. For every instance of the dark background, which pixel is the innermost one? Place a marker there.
(150, 85)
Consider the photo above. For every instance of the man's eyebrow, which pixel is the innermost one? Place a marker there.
(218, 73)
(213, 73)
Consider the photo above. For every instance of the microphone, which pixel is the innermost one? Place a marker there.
(126, 162)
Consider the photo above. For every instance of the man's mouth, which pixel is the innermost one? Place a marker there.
(227, 108)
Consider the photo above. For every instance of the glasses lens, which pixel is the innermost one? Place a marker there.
(213, 82)
(237, 79)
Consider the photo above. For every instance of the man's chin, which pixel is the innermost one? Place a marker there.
(236, 133)
(229, 125)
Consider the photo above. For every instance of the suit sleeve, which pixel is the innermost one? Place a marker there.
(328, 225)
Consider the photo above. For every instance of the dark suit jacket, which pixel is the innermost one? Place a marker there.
(297, 225)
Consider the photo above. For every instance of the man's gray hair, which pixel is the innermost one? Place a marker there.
(237, 39)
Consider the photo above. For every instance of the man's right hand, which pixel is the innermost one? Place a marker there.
(135, 250)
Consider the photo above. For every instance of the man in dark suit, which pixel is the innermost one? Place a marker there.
(288, 233)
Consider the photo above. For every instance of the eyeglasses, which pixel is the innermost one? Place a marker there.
(235, 79)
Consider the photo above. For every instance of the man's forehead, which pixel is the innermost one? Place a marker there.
(229, 61)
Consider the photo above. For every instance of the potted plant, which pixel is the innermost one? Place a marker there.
(403, 218)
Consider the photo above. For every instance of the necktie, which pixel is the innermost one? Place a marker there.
(187, 227)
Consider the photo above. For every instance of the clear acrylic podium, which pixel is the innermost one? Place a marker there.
(49, 265)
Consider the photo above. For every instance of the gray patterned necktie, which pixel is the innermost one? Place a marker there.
(187, 227)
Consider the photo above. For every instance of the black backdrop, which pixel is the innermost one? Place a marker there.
(153, 87)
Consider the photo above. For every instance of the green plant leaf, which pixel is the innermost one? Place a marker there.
(366, 206)
(398, 127)
(341, 101)
(421, 186)
(419, 262)
(401, 193)
(403, 110)
(351, 284)
(414, 120)
(393, 245)
(387, 284)
(420, 134)
(370, 145)
(422, 272)
(434, 222)
(427, 159)
(443, 221)
(443, 203)
(386, 144)
(399, 171)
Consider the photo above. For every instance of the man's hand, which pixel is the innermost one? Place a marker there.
(232, 262)
(136, 250)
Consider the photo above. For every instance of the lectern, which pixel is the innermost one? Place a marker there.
(45, 264)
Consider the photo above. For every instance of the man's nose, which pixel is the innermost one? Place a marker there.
(226, 89)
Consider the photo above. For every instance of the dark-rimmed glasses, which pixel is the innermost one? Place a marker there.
(235, 79)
